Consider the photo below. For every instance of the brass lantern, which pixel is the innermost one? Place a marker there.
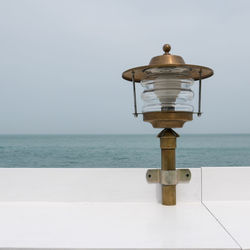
(167, 103)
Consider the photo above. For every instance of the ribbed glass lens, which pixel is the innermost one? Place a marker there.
(167, 92)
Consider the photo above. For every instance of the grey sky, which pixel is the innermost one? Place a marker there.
(61, 62)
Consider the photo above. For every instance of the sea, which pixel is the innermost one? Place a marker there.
(121, 151)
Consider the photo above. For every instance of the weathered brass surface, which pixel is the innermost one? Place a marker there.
(170, 61)
(194, 71)
(167, 136)
(167, 58)
(169, 119)
(168, 177)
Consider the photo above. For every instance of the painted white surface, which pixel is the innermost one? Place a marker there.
(235, 217)
(118, 209)
(91, 185)
(226, 193)
(110, 226)
(226, 183)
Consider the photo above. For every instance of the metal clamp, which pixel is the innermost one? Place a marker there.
(168, 177)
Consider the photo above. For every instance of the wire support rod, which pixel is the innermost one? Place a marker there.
(199, 104)
(134, 92)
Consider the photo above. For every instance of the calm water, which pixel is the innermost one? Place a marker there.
(120, 151)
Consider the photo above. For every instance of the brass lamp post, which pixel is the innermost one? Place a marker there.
(167, 103)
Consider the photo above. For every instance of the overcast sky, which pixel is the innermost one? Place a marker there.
(61, 62)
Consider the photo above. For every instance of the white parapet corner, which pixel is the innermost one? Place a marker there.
(226, 193)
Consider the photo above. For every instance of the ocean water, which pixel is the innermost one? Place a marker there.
(120, 151)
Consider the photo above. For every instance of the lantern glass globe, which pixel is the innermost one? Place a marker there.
(167, 91)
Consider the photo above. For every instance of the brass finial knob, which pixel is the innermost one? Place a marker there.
(166, 48)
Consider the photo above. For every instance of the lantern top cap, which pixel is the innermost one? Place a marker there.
(168, 63)
(166, 58)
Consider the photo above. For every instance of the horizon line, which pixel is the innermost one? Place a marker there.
(8, 134)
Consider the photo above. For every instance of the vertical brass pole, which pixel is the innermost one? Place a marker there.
(168, 144)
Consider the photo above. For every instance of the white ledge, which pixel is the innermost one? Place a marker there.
(118, 209)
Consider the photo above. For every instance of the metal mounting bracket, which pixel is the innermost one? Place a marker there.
(168, 177)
